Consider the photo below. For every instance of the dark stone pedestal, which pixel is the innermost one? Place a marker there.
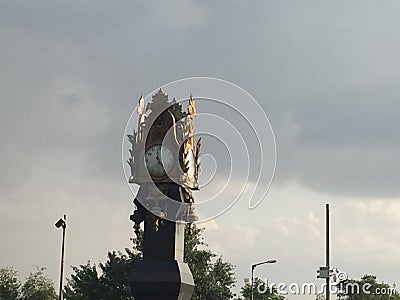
(162, 280)
(162, 273)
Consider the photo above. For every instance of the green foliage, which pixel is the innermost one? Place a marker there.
(38, 287)
(269, 294)
(367, 289)
(84, 284)
(213, 277)
(9, 284)
(112, 283)
(115, 275)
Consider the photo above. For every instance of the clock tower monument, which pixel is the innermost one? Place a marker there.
(164, 162)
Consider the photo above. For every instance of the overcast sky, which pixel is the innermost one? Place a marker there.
(326, 73)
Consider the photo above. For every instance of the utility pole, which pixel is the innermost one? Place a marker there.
(324, 272)
(328, 288)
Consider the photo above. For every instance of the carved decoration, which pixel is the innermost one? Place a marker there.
(157, 119)
(142, 117)
(196, 158)
(131, 160)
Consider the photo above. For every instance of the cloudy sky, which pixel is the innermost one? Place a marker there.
(325, 72)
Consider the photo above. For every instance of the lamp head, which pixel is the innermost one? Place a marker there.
(61, 223)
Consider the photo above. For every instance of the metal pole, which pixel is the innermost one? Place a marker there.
(327, 253)
(271, 261)
(252, 278)
(64, 225)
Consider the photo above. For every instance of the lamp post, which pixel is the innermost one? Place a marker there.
(62, 223)
(272, 261)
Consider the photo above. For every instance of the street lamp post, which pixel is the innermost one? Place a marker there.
(62, 223)
(272, 261)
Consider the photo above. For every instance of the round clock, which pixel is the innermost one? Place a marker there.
(158, 160)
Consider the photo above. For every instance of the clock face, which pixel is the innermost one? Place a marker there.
(158, 160)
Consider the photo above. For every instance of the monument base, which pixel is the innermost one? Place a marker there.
(162, 280)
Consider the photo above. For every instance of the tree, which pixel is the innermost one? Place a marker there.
(84, 284)
(115, 275)
(367, 289)
(9, 284)
(213, 276)
(38, 287)
(260, 291)
(111, 283)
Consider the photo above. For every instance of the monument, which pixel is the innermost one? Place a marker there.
(164, 162)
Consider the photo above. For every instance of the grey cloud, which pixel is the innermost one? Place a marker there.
(331, 69)
(71, 72)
